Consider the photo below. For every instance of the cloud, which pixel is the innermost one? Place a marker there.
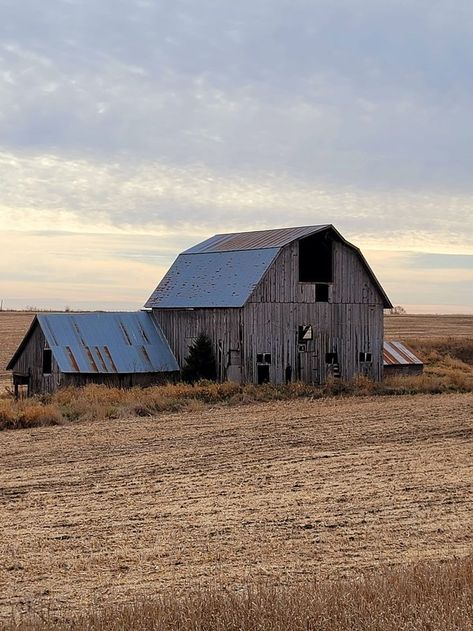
(46, 192)
(357, 93)
(146, 126)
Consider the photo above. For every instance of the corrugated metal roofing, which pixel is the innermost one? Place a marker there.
(107, 343)
(256, 240)
(397, 353)
(223, 270)
(212, 279)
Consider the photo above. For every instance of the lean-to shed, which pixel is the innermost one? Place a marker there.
(74, 349)
(279, 305)
(399, 359)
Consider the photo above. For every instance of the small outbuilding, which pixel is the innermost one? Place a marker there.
(398, 359)
(73, 349)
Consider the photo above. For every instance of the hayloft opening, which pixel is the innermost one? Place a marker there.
(47, 361)
(315, 259)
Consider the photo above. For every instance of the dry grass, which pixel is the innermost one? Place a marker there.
(284, 492)
(426, 597)
(23, 414)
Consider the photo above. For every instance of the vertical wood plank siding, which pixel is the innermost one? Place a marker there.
(350, 323)
(223, 326)
(30, 362)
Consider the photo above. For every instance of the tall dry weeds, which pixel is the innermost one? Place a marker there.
(429, 597)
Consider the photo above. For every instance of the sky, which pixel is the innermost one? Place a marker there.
(132, 129)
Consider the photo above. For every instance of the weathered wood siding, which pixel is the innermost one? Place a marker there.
(349, 323)
(337, 328)
(30, 362)
(351, 282)
(123, 380)
(223, 326)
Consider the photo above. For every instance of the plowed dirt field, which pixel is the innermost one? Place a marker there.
(290, 491)
(427, 326)
(13, 326)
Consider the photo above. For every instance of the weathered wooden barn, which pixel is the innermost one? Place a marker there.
(279, 305)
(117, 349)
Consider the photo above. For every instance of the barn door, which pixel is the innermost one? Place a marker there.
(307, 359)
(234, 367)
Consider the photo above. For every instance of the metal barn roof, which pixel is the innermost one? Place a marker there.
(224, 270)
(104, 343)
(223, 279)
(257, 240)
(396, 353)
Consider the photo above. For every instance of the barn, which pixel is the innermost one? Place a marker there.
(117, 349)
(279, 305)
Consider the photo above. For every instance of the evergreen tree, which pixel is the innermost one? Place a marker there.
(200, 363)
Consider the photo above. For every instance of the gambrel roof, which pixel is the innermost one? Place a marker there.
(113, 343)
(224, 270)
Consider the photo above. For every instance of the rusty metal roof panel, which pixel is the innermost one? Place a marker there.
(212, 279)
(397, 353)
(256, 240)
(107, 343)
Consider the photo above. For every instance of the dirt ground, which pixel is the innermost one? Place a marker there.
(288, 491)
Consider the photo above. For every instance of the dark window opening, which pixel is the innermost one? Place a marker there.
(288, 374)
(263, 358)
(305, 333)
(321, 293)
(331, 358)
(47, 361)
(365, 357)
(263, 374)
(315, 259)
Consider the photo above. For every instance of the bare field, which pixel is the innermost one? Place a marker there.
(13, 326)
(427, 326)
(287, 491)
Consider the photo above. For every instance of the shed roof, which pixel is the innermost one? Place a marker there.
(224, 270)
(396, 353)
(104, 343)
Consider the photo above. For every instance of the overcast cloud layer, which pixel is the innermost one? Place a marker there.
(131, 129)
